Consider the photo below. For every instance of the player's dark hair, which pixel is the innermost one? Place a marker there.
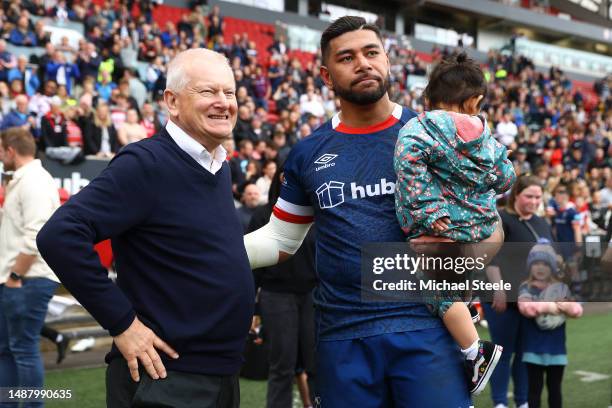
(454, 80)
(341, 26)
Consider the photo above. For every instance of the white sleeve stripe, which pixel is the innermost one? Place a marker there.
(303, 210)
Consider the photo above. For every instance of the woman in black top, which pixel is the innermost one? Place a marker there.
(99, 135)
(520, 224)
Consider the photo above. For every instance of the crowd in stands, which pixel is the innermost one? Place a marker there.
(93, 99)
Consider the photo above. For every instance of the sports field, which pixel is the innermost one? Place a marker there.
(589, 348)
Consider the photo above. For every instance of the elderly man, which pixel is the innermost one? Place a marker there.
(19, 117)
(184, 287)
(26, 281)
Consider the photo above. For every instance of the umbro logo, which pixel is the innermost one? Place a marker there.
(326, 158)
(325, 161)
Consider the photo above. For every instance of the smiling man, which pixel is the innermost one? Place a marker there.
(183, 303)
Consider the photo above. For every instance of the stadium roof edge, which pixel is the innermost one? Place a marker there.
(538, 21)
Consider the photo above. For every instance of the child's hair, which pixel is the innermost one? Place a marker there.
(454, 80)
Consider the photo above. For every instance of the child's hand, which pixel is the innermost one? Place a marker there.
(441, 224)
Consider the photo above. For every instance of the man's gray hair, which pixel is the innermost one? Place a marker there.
(177, 77)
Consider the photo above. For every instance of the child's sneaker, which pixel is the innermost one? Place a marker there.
(474, 313)
(480, 369)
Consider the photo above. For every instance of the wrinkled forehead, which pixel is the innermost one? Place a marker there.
(216, 74)
(354, 41)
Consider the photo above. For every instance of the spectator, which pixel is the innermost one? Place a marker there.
(150, 121)
(566, 221)
(53, 126)
(311, 103)
(606, 193)
(105, 86)
(28, 282)
(238, 164)
(261, 88)
(74, 134)
(250, 202)
(506, 130)
(99, 135)
(263, 183)
(521, 165)
(131, 131)
(62, 71)
(7, 61)
(136, 88)
(89, 61)
(216, 25)
(26, 74)
(521, 224)
(19, 117)
(21, 35)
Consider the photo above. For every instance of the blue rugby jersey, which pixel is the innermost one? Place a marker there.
(343, 178)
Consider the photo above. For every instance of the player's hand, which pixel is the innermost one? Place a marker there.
(426, 244)
(499, 301)
(441, 224)
(139, 342)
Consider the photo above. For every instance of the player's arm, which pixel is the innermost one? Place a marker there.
(274, 242)
(289, 223)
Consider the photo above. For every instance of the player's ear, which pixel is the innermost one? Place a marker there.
(326, 77)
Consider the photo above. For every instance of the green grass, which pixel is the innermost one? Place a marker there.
(589, 347)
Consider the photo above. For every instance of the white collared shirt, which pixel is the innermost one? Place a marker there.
(31, 198)
(189, 145)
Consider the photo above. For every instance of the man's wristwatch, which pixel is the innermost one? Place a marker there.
(15, 276)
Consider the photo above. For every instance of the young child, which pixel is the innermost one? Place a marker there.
(449, 169)
(544, 300)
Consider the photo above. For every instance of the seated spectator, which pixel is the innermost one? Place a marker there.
(60, 12)
(20, 116)
(62, 71)
(74, 134)
(105, 86)
(99, 135)
(7, 61)
(260, 130)
(43, 37)
(53, 126)
(150, 121)
(21, 35)
(238, 165)
(89, 61)
(136, 88)
(26, 74)
(263, 183)
(506, 130)
(312, 103)
(131, 131)
(170, 37)
(65, 46)
(250, 198)
(279, 139)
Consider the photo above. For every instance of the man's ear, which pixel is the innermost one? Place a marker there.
(326, 77)
(172, 104)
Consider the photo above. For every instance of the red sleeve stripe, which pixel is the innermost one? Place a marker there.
(301, 210)
(292, 218)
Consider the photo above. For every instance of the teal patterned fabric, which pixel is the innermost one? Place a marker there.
(440, 175)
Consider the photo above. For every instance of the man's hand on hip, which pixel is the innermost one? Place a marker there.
(139, 342)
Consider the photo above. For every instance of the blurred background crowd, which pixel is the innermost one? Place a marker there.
(105, 91)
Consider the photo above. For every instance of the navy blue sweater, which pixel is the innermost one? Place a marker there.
(181, 263)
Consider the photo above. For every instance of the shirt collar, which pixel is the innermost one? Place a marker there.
(191, 146)
(24, 169)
